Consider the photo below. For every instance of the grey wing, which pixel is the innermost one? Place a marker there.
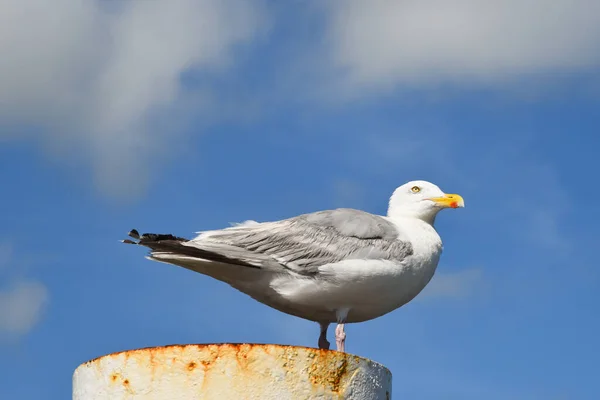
(306, 242)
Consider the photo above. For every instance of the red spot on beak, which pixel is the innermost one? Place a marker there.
(454, 204)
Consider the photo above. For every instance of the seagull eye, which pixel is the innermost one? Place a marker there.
(415, 189)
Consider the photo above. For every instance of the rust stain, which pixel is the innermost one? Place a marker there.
(191, 366)
(152, 356)
(328, 370)
(241, 355)
(267, 348)
(214, 351)
(128, 387)
(290, 356)
(114, 377)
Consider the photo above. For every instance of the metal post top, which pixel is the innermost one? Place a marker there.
(207, 371)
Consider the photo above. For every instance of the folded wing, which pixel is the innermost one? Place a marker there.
(304, 243)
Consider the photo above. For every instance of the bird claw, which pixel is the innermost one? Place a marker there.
(324, 343)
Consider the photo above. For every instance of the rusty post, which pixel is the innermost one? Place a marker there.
(231, 371)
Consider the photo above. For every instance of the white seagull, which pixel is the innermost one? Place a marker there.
(337, 266)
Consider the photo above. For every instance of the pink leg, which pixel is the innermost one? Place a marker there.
(340, 338)
(323, 343)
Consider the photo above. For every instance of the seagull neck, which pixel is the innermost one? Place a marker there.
(400, 216)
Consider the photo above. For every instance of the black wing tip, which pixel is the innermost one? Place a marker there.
(132, 234)
(150, 237)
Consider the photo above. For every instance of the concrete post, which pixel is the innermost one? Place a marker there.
(231, 372)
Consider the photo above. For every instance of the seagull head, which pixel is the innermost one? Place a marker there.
(422, 200)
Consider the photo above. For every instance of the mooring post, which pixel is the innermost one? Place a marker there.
(231, 372)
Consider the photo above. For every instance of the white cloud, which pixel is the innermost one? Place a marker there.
(95, 76)
(21, 307)
(454, 285)
(381, 43)
(22, 301)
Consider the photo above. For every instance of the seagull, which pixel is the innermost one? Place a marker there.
(336, 266)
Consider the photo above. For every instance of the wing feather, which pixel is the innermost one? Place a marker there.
(306, 242)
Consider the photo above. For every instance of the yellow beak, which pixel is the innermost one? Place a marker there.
(449, 200)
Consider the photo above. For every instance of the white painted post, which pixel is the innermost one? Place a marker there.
(231, 372)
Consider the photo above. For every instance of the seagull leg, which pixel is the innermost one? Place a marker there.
(340, 338)
(323, 343)
(340, 335)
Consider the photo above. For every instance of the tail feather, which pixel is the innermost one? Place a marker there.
(170, 244)
(147, 239)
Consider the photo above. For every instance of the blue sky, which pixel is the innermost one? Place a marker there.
(183, 116)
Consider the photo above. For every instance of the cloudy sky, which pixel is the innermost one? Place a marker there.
(183, 115)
